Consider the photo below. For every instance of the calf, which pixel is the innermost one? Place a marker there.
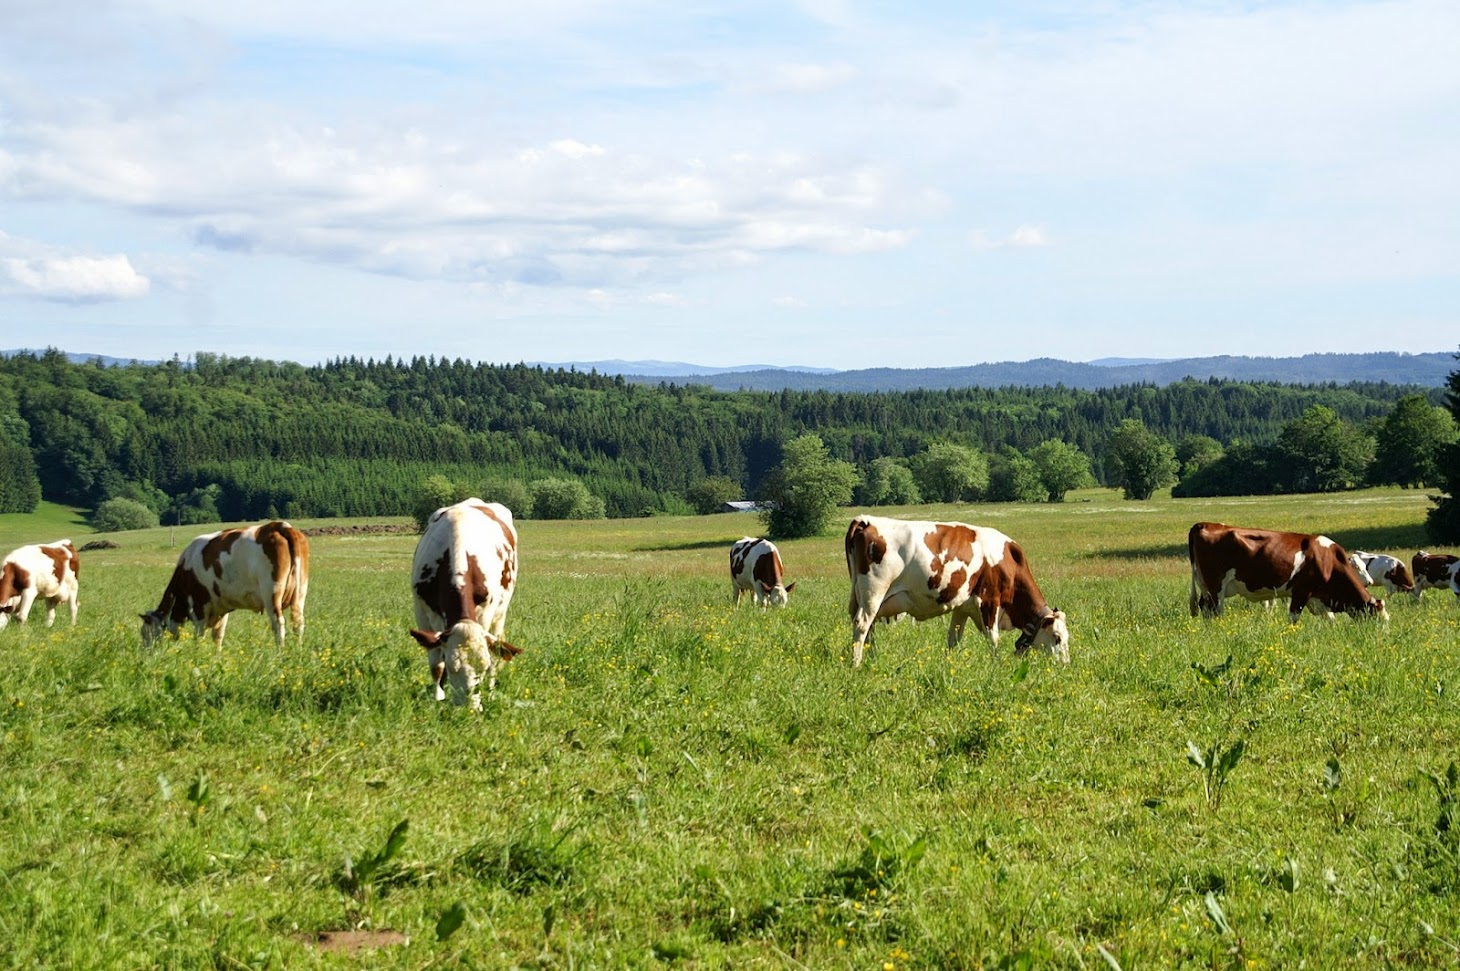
(1262, 565)
(462, 578)
(755, 566)
(263, 568)
(927, 569)
(1377, 569)
(1441, 570)
(44, 571)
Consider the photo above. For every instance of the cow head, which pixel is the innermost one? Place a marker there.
(1400, 577)
(776, 596)
(464, 655)
(1048, 632)
(154, 624)
(1375, 608)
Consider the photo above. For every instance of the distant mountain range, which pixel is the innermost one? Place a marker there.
(679, 369)
(1428, 370)
(76, 358)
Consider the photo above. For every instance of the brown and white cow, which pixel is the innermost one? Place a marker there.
(1379, 569)
(1262, 565)
(44, 571)
(263, 568)
(463, 575)
(755, 567)
(1436, 570)
(926, 569)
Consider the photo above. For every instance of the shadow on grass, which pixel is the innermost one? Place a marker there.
(705, 544)
(1410, 536)
(1152, 551)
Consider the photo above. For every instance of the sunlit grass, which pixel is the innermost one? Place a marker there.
(662, 779)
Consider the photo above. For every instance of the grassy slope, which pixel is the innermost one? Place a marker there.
(49, 522)
(662, 779)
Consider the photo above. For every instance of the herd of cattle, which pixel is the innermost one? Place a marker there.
(465, 570)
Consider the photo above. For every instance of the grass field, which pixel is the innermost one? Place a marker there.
(661, 780)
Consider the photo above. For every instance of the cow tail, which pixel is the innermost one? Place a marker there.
(854, 540)
(1194, 599)
(298, 555)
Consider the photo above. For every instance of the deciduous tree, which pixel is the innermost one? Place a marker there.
(805, 489)
(1142, 460)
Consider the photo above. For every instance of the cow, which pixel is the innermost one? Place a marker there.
(926, 569)
(1262, 565)
(263, 568)
(1377, 569)
(462, 577)
(1440, 570)
(755, 567)
(44, 571)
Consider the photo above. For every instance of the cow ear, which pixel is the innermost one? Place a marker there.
(790, 586)
(427, 638)
(766, 586)
(506, 651)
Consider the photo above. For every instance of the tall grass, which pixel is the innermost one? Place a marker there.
(662, 779)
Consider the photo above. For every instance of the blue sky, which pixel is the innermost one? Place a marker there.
(826, 183)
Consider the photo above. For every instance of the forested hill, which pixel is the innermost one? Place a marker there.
(1424, 370)
(355, 437)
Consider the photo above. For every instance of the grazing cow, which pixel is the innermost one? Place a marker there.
(45, 571)
(1263, 565)
(1377, 569)
(755, 566)
(1440, 570)
(463, 575)
(263, 568)
(927, 569)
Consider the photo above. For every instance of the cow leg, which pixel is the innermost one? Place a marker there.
(51, 613)
(736, 591)
(955, 630)
(27, 599)
(296, 618)
(988, 617)
(219, 627)
(74, 603)
(862, 621)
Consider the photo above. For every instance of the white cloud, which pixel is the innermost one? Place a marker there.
(790, 303)
(1023, 237)
(33, 269)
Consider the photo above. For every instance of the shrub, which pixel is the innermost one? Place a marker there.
(512, 493)
(709, 495)
(115, 515)
(564, 499)
(436, 491)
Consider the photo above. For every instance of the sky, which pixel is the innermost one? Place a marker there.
(831, 183)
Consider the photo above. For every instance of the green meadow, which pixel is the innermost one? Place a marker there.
(662, 780)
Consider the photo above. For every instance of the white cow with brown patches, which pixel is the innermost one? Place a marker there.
(263, 568)
(755, 568)
(1380, 569)
(44, 571)
(927, 569)
(463, 575)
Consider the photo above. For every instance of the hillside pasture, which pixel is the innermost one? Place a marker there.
(663, 780)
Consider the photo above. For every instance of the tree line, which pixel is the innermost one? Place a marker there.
(243, 438)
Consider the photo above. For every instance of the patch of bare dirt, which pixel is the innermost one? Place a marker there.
(361, 529)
